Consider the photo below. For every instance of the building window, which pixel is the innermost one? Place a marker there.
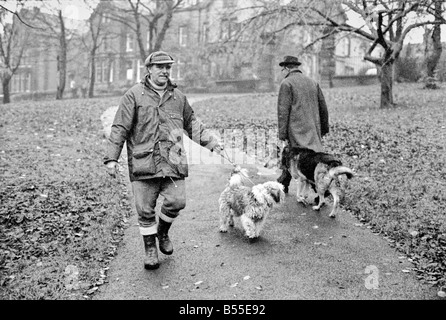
(178, 70)
(21, 82)
(103, 71)
(25, 62)
(111, 71)
(129, 75)
(129, 42)
(345, 47)
(188, 3)
(106, 18)
(229, 28)
(139, 69)
(205, 33)
(348, 71)
(106, 43)
(182, 36)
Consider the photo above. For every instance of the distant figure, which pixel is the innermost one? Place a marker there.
(84, 88)
(73, 87)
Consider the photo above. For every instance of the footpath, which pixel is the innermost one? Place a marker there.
(301, 254)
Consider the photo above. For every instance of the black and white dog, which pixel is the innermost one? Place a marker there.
(321, 172)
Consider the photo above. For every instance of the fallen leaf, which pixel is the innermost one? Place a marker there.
(259, 288)
(405, 271)
(234, 285)
(441, 294)
(92, 290)
(198, 283)
(413, 233)
(246, 278)
(315, 227)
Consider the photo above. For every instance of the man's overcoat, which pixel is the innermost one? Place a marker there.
(302, 112)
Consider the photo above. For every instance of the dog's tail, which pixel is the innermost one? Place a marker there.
(341, 170)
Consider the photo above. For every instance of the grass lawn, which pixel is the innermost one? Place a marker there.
(62, 218)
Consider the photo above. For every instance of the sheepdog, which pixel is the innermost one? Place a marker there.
(252, 205)
(318, 175)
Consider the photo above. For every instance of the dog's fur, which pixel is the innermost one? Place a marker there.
(252, 205)
(321, 171)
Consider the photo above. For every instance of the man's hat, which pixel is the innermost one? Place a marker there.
(158, 57)
(290, 60)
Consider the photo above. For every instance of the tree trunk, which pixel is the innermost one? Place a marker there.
(433, 50)
(92, 74)
(6, 93)
(162, 34)
(139, 39)
(387, 85)
(62, 62)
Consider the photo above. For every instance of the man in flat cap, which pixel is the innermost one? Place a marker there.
(302, 113)
(151, 118)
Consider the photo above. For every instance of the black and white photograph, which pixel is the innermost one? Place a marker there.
(223, 158)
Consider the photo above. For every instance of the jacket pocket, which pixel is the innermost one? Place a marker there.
(143, 162)
(176, 120)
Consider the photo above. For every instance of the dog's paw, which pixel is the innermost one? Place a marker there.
(223, 230)
(316, 208)
(332, 215)
(302, 200)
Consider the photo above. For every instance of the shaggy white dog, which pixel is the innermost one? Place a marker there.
(252, 205)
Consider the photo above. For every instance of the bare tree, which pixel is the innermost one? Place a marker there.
(13, 41)
(386, 24)
(155, 14)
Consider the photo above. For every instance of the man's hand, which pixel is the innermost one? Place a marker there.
(218, 148)
(284, 143)
(112, 168)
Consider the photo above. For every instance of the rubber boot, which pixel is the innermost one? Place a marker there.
(151, 258)
(164, 242)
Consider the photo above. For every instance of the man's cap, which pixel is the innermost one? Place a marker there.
(290, 60)
(158, 57)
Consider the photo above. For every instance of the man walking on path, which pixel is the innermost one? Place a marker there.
(302, 113)
(151, 118)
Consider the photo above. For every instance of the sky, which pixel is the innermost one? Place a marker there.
(414, 36)
(77, 10)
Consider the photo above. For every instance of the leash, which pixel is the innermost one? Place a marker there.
(226, 157)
